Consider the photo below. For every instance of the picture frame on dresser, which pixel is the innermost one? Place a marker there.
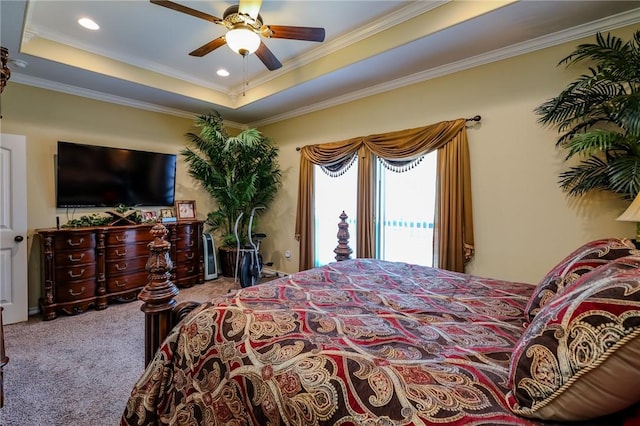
(186, 209)
(149, 215)
(168, 212)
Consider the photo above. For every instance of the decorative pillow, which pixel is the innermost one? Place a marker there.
(572, 267)
(580, 356)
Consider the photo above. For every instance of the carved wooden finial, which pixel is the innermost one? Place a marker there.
(158, 295)
(343, 251)
(5, 72)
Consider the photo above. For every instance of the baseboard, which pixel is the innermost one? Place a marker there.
(34, 311)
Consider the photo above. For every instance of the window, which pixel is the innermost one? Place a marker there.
(405, 211)
(332, 196)
(406, 206)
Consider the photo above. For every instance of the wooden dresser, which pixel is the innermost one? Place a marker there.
(91, 267)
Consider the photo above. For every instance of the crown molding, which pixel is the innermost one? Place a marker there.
(125, 59)
(93, 94)
(105, 97)
(617, 21)
(379, 25)
(328, 48)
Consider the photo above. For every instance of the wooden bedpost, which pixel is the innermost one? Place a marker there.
(343, 251)
(158, 295)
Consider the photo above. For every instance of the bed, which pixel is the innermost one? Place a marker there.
(371, 342)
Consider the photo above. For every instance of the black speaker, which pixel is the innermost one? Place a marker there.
(210, 261)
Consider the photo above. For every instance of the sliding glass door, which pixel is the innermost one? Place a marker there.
(405, 203)
(405, 210)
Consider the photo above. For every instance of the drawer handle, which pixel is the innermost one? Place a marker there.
(72, 275)
(71, 292)
(121, 285)
(123, 238)
(189, 256)
(190, 244)
(124, 253)
(71, 243)
(76, 259)
(190, 231)
(191, 270)
(121, 268)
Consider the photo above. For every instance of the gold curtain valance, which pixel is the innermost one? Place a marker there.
(402, 144)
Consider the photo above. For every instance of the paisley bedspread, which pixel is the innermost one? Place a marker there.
(358, 342)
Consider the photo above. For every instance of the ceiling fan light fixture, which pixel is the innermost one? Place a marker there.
(243, 40)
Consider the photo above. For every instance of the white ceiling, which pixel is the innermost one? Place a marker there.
(139, 57)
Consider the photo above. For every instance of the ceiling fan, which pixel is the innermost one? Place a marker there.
(245, 26)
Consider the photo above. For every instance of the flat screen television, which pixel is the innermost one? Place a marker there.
(98, 176)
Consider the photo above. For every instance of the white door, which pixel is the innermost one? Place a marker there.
(13, 228)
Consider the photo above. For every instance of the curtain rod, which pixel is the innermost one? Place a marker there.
(474, 118)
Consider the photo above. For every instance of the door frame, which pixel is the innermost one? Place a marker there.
(13, 226)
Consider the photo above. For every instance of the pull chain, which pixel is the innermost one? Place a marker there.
(245, 73)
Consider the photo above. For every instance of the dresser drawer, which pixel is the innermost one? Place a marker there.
(75, 257)
(186, 256)
(76, 273)
(187, 230)
(127, 282)
(128, 251)
(75, 241)
(71, 292)
(129, 236)
(126, 266)
(187, 269)
(187, 242)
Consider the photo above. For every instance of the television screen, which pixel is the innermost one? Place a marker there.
(96, 176)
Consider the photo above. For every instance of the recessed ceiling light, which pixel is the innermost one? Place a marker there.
(88, 24)
(222, 72)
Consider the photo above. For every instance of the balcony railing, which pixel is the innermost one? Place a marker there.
(406, 241)
(399, 240)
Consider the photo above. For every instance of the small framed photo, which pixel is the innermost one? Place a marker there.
(186, 210)
(166, 213)
(148, 215)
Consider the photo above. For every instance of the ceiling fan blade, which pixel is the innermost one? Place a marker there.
(293, 33)
(209, 47)
(187, 10)
(267, 57)
(250, 7)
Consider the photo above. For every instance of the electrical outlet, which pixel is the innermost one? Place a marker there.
(287, 254)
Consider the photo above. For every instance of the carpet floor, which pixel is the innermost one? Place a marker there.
(79, 370)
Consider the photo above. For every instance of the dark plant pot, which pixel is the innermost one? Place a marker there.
(227, 256)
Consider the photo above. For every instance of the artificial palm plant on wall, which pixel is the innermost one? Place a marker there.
(598, 115)
(239, 172)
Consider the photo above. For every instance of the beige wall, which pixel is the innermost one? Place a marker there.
(46, 117)
(523, 223)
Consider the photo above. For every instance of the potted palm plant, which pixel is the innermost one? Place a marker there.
(239, 172)
(599, 117)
